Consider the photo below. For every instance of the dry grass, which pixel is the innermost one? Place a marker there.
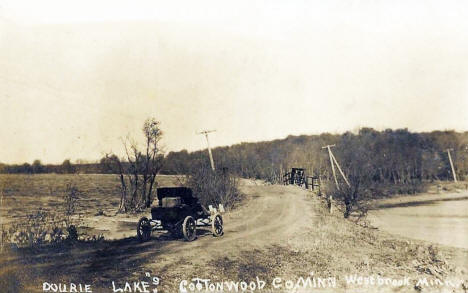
(337, 247)
(41, 197)
(23, 194)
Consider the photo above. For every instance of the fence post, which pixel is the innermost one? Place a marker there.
(329, 202)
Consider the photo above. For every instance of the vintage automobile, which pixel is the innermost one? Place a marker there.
(180, 213)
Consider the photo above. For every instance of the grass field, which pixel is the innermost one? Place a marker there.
(99, 194)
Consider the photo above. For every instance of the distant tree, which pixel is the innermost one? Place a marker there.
(37, 167)
(107, 164)
(25, 168)
(177, 162)
(67, 167)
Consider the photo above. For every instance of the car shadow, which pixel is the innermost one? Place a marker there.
(94, 263)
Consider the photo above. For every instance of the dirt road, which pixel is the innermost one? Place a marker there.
(271, 215)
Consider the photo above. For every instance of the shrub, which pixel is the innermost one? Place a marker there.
(352, 200)
(214, 187)
(70, 201)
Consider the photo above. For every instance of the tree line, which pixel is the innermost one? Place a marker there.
(389, 156)
(398, 157)
(37, 167)
(376, 163)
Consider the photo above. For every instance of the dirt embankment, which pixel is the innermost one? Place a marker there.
(278, 232)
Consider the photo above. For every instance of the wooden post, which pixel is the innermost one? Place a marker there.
(209, 152)
(331, 163)
(451, 165)
(329, 203)
(342, 174)
(333, 159)
(205, 132)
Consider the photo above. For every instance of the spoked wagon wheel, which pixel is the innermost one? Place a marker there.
(217, 225)
(144, 229)
(189, 228)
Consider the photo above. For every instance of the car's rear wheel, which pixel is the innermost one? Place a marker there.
(189, 228)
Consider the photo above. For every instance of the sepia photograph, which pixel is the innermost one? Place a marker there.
(234, 146)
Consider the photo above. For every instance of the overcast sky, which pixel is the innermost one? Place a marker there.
(75, 77)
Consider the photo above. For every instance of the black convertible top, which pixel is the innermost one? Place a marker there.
(184, 193)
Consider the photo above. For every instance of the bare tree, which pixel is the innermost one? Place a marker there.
(153, 159)
(112, 164)
(138, 169)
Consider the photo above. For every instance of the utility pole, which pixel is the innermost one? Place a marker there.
(205, 132)
(333, 161)
(451, 165)
(339, 169)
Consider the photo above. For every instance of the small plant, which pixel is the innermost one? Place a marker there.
(72, 233)
(70, 199)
